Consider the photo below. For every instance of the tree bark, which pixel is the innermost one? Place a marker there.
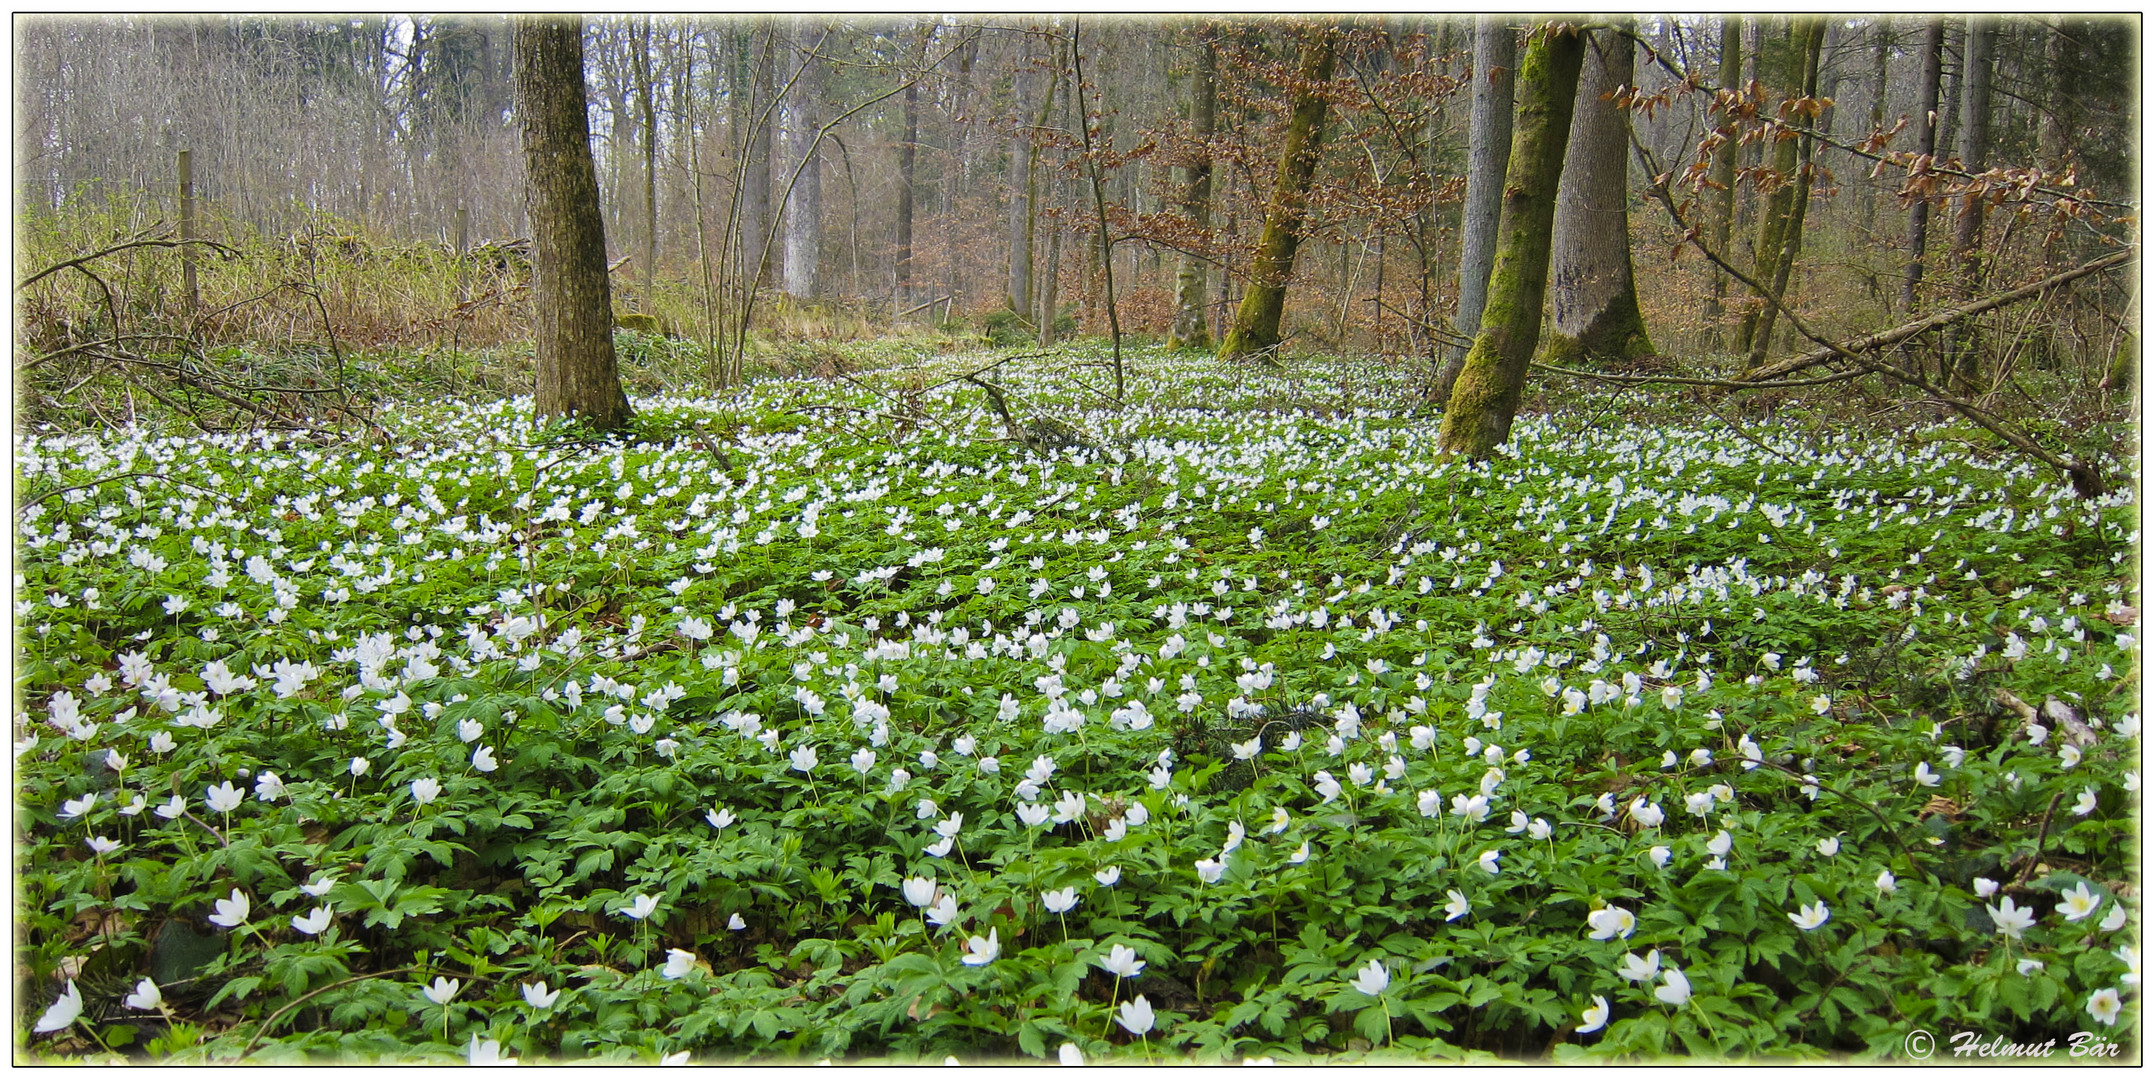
(2054, 128)
(1024, 186)
(571, 309)
(1881, 52)
(647, 106)
(1975, 83)
(1256, 328)
(902, 285)
(1752, 154)
(1489, 134)
(1191, 329)
(1594, 306)
(1050, 282)
(1486, 398)
(1724, 178)
(761, 60)
(804, 204)
(1780, 235)
(1931, 56)
(1099, 199)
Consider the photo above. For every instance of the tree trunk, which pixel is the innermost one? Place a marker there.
(647, 105)
(1594, 307)
(1496, 61)
(571, 309)
(1191, 329)
(1780, 235)
(2054, 128)
(756, 189)
(1752, 154)
(1931, 56)
(1975, 81)
(1881, 51)
(1024, 188)
(1099, 199)
(1949, 78)
(1486, 398)
(1050, 280)
(902, 286)
(1724, 178)
(1256, 327)
(804, 204)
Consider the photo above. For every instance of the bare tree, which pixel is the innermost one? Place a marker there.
(1256, 327)
(1030, 84)
(1192, 329)
(1496, 58)
(804, 202)
(1931, 56)
(571, 309)
(1486, 398)
(1977, 72)
(1781, 231)
(908, 156)
(1594, 307)
(1723, 218)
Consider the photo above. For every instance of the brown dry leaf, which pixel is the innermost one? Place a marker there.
(1943, 806)
(2124, 616)
(97, 923)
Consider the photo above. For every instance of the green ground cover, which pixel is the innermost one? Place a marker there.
(826, 720)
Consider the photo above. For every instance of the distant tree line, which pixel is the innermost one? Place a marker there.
(1012, 168)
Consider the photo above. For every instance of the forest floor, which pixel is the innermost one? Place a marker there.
(839, 718)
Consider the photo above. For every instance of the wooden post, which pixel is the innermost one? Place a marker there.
(463, 250)
(187, 232)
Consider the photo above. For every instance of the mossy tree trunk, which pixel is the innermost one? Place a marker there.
(1496, 60)
(1192, 330)
(1256, 328)
(1486, 397)
(1594, 306)
(571, 305)
(1780, 235)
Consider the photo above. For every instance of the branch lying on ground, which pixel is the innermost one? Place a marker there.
(2087, 483)
(1681, 380)
(1887, 338)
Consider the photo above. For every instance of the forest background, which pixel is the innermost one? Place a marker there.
(772, 187)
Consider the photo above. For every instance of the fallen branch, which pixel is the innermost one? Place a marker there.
(139, 242)
(1884, 339)
(995, 396)
(103, 480)
(1684, 380)
(984, 370)
(310, 995)
(2087, 482)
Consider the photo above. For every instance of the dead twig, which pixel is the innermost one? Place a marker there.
(139, 241)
